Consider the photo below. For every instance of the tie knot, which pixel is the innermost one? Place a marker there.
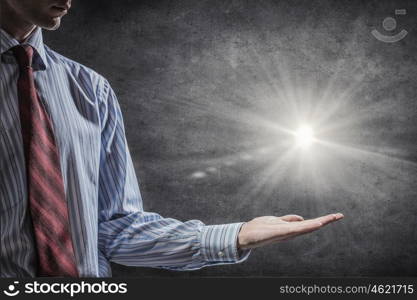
(23, 55)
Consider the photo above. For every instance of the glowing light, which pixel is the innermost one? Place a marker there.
(304, 136)
(300, 132)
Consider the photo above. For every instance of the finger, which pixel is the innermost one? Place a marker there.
(294, 229)
(314, 224)
(328, 218)
(301, 227)
(292, 218)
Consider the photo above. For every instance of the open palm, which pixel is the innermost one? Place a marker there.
(269, 229)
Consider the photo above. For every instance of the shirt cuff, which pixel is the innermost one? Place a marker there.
(219, 243)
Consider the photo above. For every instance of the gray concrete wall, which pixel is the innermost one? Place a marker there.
(202, 85)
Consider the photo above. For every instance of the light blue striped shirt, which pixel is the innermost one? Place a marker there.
(107, 220)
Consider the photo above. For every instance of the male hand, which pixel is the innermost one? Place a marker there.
(267, 230)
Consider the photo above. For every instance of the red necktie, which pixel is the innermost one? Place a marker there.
(45, 186)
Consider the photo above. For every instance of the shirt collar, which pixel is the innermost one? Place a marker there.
(35, 39)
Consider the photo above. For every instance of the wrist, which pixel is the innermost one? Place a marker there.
(240, 241)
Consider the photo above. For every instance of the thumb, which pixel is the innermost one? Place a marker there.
(292, 218)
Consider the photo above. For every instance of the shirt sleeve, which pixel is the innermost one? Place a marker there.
(128, 235)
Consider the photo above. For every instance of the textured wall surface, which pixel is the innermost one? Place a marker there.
(202, 85)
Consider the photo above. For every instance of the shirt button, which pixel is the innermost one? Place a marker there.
(221, 253)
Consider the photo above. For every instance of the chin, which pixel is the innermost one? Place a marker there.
(51, 24)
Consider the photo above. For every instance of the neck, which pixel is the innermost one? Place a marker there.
(13, 24)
